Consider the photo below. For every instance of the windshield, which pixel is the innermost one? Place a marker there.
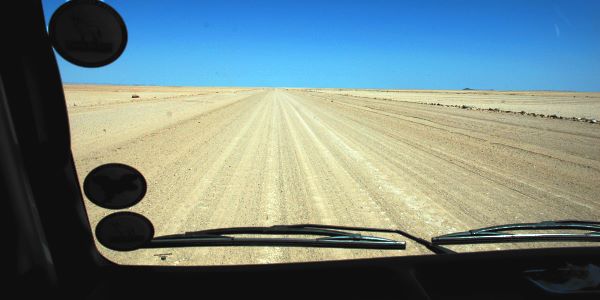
(429, 117)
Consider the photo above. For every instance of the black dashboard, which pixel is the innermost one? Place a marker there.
(491, 275)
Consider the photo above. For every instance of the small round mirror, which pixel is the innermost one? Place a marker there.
(88, 33)
(115, 186)
(124, 231)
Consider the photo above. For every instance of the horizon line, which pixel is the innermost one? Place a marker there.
(341, 88)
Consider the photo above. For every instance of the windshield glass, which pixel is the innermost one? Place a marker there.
(430, 117)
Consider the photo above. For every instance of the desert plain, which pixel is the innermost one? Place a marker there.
(428, 162)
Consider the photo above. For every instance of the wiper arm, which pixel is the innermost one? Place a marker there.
(332, 237)
(498, 234)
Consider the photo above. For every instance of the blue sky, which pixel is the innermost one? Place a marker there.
(503, 45)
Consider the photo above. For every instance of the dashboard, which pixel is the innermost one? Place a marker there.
(491, 275)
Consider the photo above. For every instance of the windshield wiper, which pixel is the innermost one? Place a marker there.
(330, 237)
(499, 234)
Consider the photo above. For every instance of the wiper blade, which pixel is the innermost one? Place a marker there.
(498, 234)
(331, 237)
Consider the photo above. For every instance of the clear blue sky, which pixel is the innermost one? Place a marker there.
(504, 45)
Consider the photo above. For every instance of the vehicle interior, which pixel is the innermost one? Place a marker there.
(51, 247)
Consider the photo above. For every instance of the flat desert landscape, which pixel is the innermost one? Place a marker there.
(428, 162)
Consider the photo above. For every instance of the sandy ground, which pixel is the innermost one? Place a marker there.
(221, 157)
(565, 104)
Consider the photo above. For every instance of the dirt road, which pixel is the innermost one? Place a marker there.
(265, 157)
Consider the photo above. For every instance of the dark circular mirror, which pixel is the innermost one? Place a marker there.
(88, 33)
(124, 231)
(115, 186)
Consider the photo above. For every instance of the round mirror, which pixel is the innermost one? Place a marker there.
(115, 186)
(124, 231)
(88, 33)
